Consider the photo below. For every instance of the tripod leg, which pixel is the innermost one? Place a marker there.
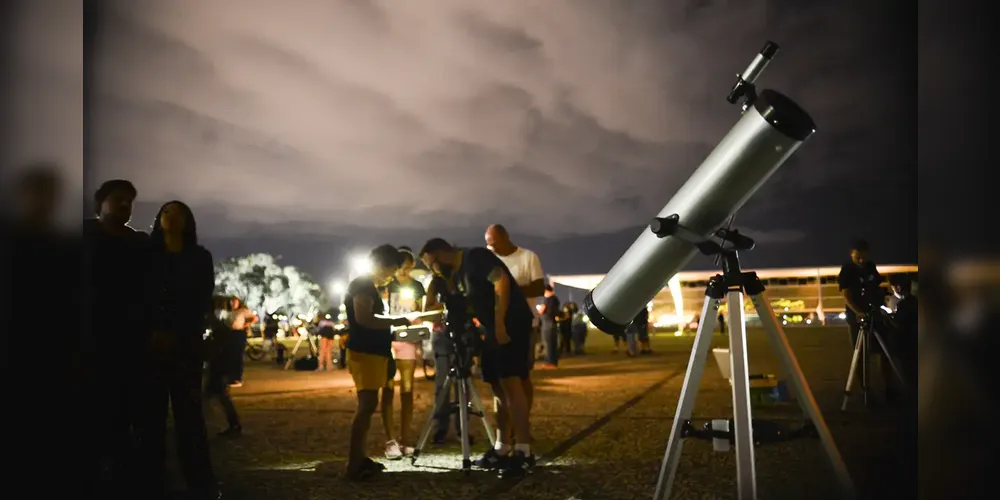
(863, 333)
(463, 422)
(439, 405)
(851, 374)
(887, 356)
(477, 404)
(746, 474)
(689, 392)
(803, 392)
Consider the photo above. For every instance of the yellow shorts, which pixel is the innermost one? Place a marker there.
(369, 371)
(406, 369)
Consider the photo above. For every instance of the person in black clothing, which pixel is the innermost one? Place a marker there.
(905, 323)
(498, 304)
(220, 369)
(114, 329)
(565, 324)
(436, 299)
(550, 333)
(180, 281)
(641, 323)
(860, 284)
(369, 352)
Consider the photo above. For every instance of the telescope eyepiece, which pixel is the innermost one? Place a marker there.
(769, 50)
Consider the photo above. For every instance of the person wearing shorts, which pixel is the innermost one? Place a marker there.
(499, 305)
(368, 352)
(406, 295)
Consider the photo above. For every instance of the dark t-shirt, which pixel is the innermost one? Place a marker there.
(551, 308)
(862, 284)
(906, 320)
(472, 281)
(362, 339)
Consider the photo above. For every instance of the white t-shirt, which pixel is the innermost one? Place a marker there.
(526, 267)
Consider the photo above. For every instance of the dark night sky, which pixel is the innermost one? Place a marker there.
(316, 131)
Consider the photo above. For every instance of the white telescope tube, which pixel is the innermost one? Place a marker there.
(767, 135)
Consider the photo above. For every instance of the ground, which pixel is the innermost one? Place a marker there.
(600, 423)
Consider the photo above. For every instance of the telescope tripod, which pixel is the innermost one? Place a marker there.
(730, 286)
(469, 403)
(867, 331)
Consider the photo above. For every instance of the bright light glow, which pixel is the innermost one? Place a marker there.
(296, 321)
(361, 264)
(539, 308)
(809, 321)
(338, 287)
(341, 316)
(679, 333)
(784, 322)
(406, 293)
(843, 315)
(327, 316)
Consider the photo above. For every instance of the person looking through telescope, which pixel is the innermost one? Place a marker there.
(860, 284)
(406, 295)
(369, 348)
(498, 303)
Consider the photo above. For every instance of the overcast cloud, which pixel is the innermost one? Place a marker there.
(305, 114)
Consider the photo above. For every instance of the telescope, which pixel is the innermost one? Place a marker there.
(771, 129)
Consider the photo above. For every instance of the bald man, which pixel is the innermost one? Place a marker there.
(526, 268)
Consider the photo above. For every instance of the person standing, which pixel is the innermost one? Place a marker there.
(180, 281)
(326, 335)
(642, 331)
(369, 349)
(549, 312)
(115, 330)
(240, 319)
(219, 369)
(406, 295)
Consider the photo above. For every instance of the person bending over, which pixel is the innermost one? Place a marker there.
(368, 352)
(498, 303)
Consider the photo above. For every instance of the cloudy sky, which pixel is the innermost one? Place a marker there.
(313, 128)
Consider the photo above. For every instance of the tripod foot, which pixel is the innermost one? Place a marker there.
(466, 466)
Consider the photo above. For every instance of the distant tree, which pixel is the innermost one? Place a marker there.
(267, 287)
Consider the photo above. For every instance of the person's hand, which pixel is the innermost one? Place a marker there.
(502, 337)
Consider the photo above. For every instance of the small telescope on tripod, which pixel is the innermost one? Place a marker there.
(771, 129)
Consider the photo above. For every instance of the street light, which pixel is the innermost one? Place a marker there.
(338, 287)
(360, 265)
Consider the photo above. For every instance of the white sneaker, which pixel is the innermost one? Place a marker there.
(408, 451)
(393, 450)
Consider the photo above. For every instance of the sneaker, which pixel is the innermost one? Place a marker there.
(393, 450)
(238, 383)
(519, 465)
(491, 460)
(407, 450)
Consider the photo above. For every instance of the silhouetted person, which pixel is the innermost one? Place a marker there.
(550, 334)
(180, 283)
(240, 318)
(116, 329)
(39, 274)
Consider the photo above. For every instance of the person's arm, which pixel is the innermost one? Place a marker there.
(431, 301)
(364, 313)
(536, 287)
(501, 289)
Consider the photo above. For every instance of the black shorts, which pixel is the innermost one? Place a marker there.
(506, 361)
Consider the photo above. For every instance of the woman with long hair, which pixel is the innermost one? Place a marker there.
(180, 277)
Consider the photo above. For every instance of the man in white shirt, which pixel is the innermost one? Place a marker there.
(526, 268)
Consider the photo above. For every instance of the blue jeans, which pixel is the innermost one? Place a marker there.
(550, 338)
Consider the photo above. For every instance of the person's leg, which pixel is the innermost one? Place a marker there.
(152, 436)
(190, 433)
(549, 336)
(618, 342)
(644, 341)
(630, 339)
(370, 374)
(239, 339)
(324, 353)
(386, 407)
(407, 367)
